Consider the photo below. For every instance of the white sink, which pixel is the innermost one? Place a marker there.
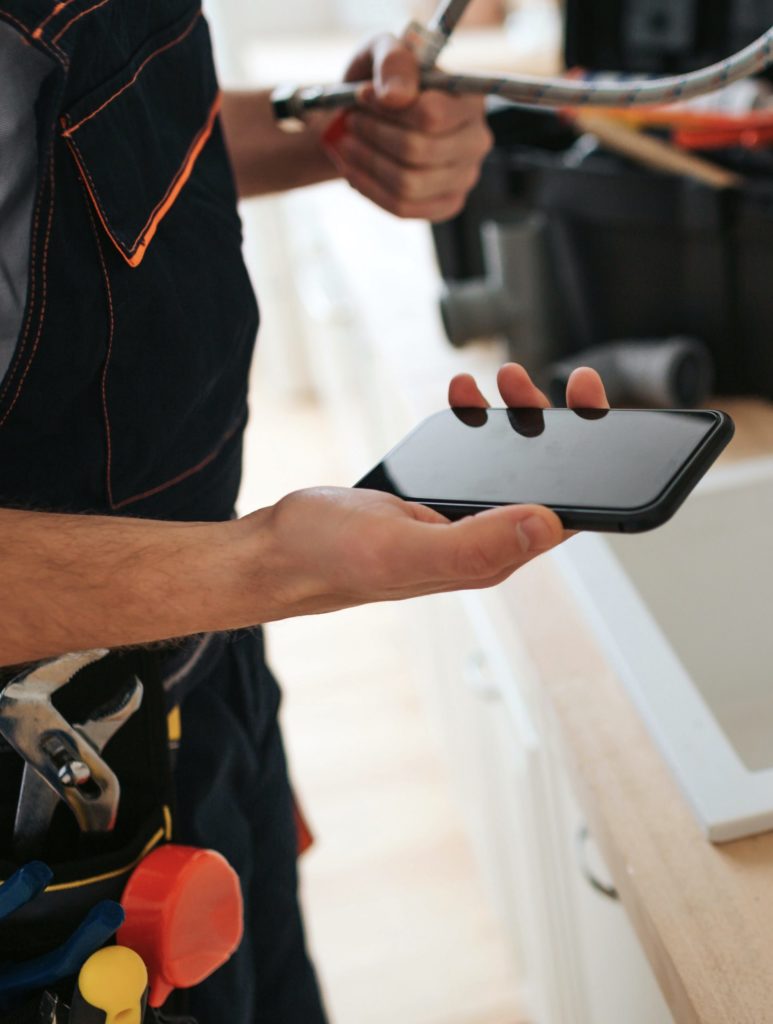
(686, 615)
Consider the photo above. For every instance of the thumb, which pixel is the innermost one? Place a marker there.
(395, 73)
(485, 545)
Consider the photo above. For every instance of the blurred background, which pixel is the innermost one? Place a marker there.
(351, 353)
(446, 884)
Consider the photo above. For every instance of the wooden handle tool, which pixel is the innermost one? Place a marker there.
(654, 153)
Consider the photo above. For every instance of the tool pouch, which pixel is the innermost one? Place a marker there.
(46, 1008)
(41, 1009)
(90, 868)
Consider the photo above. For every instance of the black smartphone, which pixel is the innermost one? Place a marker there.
(624, 470)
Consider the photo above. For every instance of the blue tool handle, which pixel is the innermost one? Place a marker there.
(91, 934)
(23, 886)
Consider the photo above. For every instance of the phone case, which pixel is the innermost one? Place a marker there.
(606, 520)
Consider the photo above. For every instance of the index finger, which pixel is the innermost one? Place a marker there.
(432, 113)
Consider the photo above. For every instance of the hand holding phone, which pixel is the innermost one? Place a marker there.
(626, 470)
(597, 469)
(327, 548)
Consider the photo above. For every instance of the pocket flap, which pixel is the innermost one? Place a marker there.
(136, 138)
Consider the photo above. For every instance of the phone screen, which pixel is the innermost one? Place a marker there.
(619, 459)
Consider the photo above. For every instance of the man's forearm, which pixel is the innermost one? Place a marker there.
(266, 159)
(75, 582)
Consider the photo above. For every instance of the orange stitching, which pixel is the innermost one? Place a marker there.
(55, 52)
(169, 198)
(21, 25)
(58, 8)
(77, 17)
(186, 473)
(92, 190)
(133, 79)
(135, 253)
(43, 294)
(111, 335)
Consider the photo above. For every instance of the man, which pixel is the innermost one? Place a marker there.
(128, 324)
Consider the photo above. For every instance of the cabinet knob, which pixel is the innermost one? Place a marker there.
(604, 888)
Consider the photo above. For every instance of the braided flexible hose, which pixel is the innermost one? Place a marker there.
(561, 92)
(566, 92)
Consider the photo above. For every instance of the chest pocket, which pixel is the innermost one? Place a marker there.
(155, 134)
(180, 315)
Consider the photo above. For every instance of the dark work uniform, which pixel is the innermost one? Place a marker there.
(126, 394)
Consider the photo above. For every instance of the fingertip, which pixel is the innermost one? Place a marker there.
(518, 389)
(518, 370)
(461, 380)
(464, 393)
(585, 390)
(508, 372)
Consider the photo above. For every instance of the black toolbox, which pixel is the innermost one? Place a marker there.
(635, 254)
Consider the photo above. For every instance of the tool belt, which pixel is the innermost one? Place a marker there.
(46, 1009)
(89, 867)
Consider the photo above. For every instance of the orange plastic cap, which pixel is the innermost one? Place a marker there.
(184, 916)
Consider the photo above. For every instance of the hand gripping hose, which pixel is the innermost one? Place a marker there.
(429, 41)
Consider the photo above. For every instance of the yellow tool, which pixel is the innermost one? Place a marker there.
(112, 988)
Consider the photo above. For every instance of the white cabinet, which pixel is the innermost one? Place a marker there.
(577, 958)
